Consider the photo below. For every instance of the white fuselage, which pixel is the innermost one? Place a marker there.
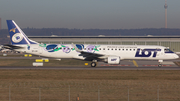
(123, 51)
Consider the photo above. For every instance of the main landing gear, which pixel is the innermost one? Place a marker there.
(160, 63)
(94, 63)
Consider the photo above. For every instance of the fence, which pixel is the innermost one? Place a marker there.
(72, 91)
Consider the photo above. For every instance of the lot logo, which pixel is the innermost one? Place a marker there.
(113, 59)
(146, 52)
(17, 37)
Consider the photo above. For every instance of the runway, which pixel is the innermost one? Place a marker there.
(124, 65)
(92, 68)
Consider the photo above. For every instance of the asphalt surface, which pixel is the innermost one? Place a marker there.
(93, 68)
(124, 65)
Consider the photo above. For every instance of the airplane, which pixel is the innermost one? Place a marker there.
(111, 54)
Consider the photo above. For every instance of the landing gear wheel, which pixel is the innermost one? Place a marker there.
(93, 64)
(160, 65)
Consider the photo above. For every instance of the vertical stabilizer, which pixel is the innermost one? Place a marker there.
(17, 36)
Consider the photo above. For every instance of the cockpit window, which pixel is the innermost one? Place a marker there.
(167, 50)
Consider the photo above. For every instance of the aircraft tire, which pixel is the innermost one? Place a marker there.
(160, 65)
(93, 64)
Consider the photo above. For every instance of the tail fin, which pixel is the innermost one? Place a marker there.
(17, 36)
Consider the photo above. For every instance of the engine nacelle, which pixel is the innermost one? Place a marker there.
(113, 60)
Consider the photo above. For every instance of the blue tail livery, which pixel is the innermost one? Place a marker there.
(17, 36)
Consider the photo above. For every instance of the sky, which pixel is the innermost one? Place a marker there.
(90, 14)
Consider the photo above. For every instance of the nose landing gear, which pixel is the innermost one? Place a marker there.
(160, 63)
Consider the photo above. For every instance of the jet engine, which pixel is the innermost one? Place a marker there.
(113, 60)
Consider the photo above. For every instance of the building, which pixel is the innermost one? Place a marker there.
(173, 42)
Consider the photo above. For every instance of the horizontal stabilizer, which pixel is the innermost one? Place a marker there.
(12, 47)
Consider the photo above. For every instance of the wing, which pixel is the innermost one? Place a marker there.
(89, 55)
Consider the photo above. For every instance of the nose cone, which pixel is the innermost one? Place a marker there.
(176, 56)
